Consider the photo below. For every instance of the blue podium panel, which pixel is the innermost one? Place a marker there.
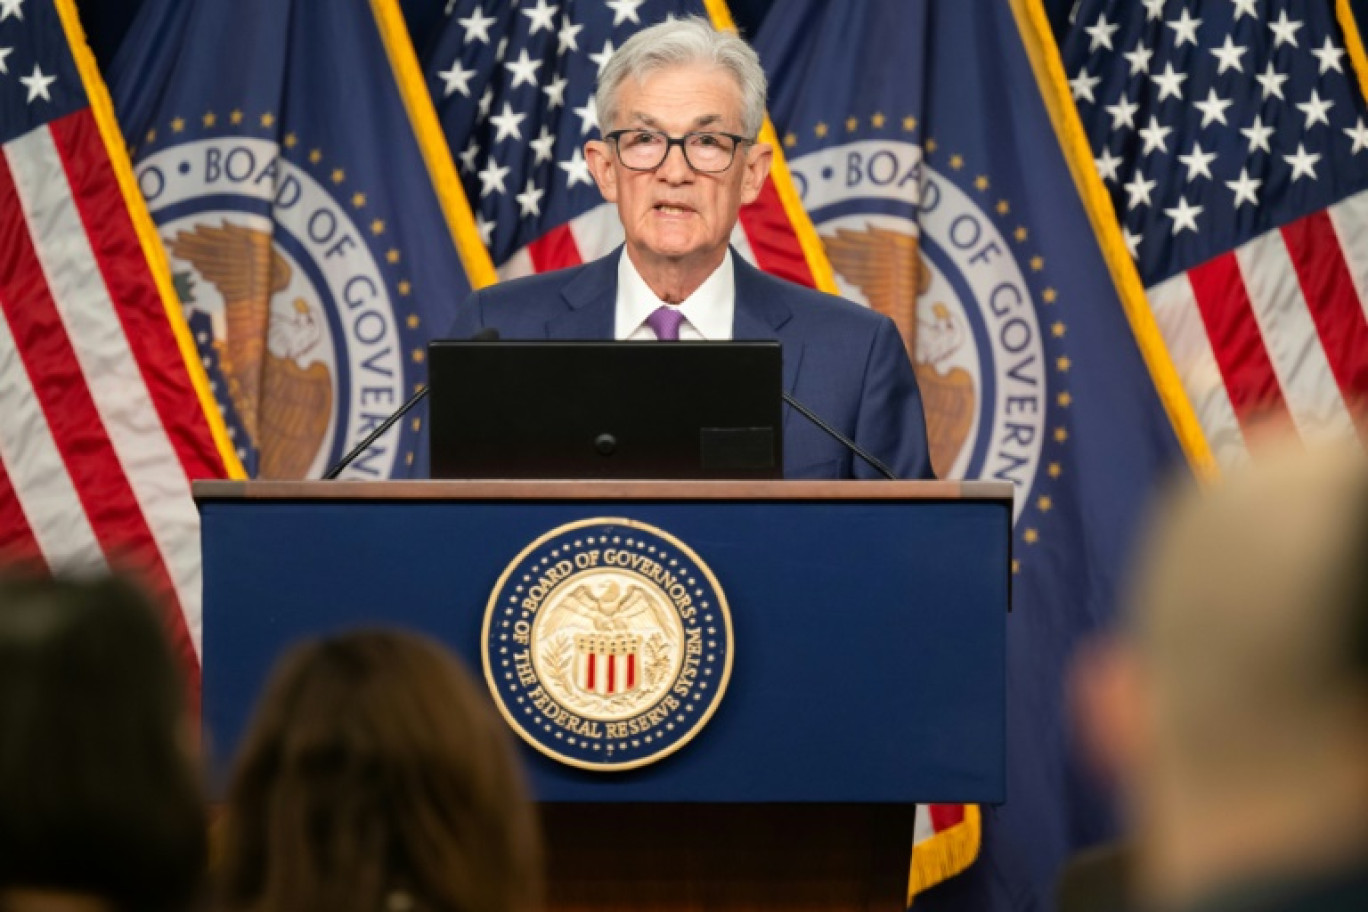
(868, 617)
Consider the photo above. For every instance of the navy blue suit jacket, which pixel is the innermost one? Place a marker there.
(844, 362)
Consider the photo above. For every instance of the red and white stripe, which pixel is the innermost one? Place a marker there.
(606, 675)
(931, 819)
(100, 425)
(1275, 332)
(1349, 218)
(54, 528)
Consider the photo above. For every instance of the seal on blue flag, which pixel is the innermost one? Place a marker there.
(908, 241)
(282, 285)
(607, 644)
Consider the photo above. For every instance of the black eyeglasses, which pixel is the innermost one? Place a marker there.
(646, 150)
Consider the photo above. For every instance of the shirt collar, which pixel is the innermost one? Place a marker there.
(709, 310)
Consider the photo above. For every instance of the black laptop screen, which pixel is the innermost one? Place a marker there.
(605, 409)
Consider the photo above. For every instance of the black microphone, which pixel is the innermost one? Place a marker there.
(849, 444)
(488, 334)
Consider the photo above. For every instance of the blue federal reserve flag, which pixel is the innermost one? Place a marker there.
(317, 233)
(922, 146)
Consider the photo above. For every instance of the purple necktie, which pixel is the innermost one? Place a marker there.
(664, 322)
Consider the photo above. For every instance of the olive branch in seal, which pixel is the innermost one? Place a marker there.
(558, 660)
(657, 661)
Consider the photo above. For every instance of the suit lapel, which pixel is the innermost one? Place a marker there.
(591, 296)
(761, 313)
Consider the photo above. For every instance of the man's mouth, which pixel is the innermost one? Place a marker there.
(672, 209)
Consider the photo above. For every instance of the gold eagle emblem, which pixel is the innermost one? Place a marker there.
(888, 268)
(610, 608)
(284, 406)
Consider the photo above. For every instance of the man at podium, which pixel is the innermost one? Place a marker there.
(681, 106)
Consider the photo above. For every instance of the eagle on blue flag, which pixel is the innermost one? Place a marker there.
(317, 232)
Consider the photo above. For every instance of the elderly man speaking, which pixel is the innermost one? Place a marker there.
(682, 105)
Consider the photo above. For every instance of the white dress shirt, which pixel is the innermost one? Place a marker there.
(707, 312)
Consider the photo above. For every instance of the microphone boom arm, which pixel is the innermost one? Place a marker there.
(850, 444)
(374, 435)
(488, 334)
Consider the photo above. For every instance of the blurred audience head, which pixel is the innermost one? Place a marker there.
(1233, 706)
(377, 778)
(99, 801)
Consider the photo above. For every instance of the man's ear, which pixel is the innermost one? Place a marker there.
(759, 157)
(600, 159)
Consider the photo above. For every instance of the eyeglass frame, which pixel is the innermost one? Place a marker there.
(615, 136)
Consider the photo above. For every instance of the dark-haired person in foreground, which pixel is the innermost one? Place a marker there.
(100, 805)
(375, 777)
(681, 106)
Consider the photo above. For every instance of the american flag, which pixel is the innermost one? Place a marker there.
(1232, 136)
(513, 83)
(102, 416)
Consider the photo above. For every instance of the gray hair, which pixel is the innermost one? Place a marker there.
(678, 42)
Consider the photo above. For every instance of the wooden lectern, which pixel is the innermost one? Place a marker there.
(868, 667)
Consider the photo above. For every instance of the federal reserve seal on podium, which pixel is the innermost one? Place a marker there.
(607, 644)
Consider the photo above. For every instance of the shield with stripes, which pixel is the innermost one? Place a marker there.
(607, 665)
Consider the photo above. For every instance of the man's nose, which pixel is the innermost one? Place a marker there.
(675, 168)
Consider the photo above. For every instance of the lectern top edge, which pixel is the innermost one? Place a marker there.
(220, 490)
